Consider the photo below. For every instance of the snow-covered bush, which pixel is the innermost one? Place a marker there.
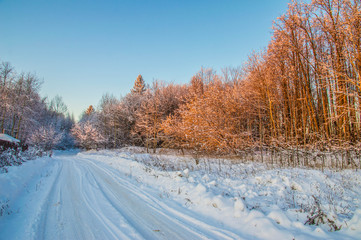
(318, 216)
(87, 135)
(15, 157)
(45, 138)
(9, 157)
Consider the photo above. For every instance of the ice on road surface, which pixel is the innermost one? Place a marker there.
(76, 198)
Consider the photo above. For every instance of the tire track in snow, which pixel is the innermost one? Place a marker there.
(91, 201)
(45, 208)
(74, 208)
(176, 225)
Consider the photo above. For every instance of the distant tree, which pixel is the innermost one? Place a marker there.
(6, 77)
(26, 97)
(87, 135)
(66, 124)
(57, 105)
(197, 86)
(149, 118)
(139, 85)
(129, 107)
(159, 102)
(90, 110)
(112, 121)
(27, 116)
(46, 138)
(211, 120)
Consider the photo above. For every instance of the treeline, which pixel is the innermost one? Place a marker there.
(306, 86)
(302, 92)
(28, 117)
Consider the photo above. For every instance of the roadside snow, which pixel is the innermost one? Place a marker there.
(123, 195)
(23, 192)
(249, 198)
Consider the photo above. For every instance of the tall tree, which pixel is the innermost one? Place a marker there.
(23, 112)
(139, 85)
(6, 77)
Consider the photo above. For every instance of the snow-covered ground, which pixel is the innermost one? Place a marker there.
(125, 195)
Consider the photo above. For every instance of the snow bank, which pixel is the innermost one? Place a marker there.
(22, 193)
(248, 199)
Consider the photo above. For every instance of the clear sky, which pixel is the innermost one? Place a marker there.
(83, 49)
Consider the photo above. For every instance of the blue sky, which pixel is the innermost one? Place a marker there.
(84, 49)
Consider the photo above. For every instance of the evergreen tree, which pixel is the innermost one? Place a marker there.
(90, 110)
(139, 85)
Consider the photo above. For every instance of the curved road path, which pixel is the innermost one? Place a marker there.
(89, 200)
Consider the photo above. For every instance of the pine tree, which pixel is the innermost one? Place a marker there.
(139, 85)
(90, 110)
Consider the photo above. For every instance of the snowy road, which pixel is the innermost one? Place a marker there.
(117, 194)
(78, 198)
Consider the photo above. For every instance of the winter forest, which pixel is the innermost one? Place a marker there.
(267, 150)
(296, 103)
